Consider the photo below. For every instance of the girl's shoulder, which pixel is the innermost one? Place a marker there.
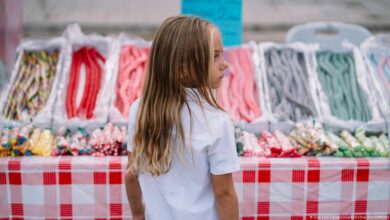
(210, 114)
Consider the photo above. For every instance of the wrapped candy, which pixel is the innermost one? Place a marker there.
(356, 147)
(310, 139)
(246, 144)
(109, 141)
(381, 145)
(250, 141)
(79, 143)
(21, 146)
(271, 143)
(380, 150)
(267, 144)
(278, 144)
(367, 143)
(61, 142)
(5, 145)
(287, 148)
(343, 149)
(34, 140)
(41, 142)
(72, 144)
(299, 138)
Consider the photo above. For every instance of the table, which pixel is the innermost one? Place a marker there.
(267, 188)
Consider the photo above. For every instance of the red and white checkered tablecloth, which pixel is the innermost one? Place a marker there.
(314, 188)
(304, 188)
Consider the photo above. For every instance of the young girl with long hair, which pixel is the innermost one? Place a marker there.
(181, 142)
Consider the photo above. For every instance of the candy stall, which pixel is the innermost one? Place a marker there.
(311, 128)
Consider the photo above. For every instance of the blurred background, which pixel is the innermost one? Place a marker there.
(263, 20)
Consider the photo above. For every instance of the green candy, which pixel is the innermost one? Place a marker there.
(336, 140)
(338, 154)
(357, 154)
(368, 143)
(384, 153)
(357, 149)
(336, 72)
(374, 154)
(348, 153)
(366, 154)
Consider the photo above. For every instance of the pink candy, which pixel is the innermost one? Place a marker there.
(131, 76)
(268, 144)
(108, 141)
(238, 93)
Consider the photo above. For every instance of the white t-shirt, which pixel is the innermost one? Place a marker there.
(185, 191)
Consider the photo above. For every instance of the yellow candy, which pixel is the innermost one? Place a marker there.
(33, 141)
(45, 143)
(12, 141)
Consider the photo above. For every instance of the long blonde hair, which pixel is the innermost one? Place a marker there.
(181, 57)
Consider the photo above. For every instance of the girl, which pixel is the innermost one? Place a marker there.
(181, 142)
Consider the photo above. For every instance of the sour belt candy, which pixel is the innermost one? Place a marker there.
(94, 63)
(238, 93)
(288, 84)
(131, 77)
(337, 75)
(32, 85)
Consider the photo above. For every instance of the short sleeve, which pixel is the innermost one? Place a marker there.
(222, 154)
(131, 125)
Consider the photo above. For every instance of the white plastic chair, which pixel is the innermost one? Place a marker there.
(329, 35)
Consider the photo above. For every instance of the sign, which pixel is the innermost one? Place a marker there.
(225, 14)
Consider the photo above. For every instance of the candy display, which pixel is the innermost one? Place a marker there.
(288, 85)
(32, 85)
(310, 139)
(131, 76)
(318, 142)
(283, 73)
(337, 75)
(93, 62)
(26, 141)
(238, 93)
(29, 140)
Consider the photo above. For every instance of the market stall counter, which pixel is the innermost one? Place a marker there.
(267, 188)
